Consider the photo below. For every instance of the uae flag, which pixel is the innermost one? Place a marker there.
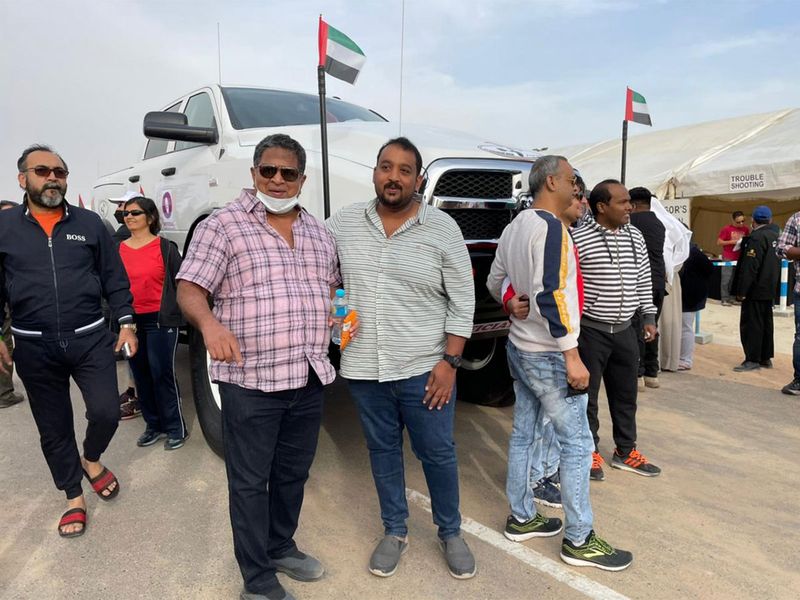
(636, 109)
(341, 56)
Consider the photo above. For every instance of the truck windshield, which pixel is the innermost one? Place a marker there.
(251, 108)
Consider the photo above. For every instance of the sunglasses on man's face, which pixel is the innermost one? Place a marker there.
(43, 171)
(289, 174)
(132, 213)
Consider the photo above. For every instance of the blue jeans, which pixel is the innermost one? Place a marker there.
(796, 344)
(385, 409)
(540, 385)
(546, 451)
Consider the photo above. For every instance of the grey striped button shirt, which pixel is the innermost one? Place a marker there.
(410, 290)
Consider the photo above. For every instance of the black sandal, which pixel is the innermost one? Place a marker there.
(73, 515)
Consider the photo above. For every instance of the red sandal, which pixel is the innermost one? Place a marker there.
(102, 483)
(73, 515)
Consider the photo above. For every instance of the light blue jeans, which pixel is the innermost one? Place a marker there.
(540, 385)
(546, 451)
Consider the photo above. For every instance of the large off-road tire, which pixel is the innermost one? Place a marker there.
(206, 394)
(490, 385)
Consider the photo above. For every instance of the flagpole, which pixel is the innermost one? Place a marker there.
(402, 40)
(322, 34)
(323, 124)
(624, 149)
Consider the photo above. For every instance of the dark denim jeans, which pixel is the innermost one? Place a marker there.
(796, 344)
(269, 441)
(385, 409)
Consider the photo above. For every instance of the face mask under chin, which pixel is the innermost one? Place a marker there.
(278, 206)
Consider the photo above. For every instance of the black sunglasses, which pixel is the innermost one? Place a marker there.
(289, 174)
(132, 213)
(43, 171)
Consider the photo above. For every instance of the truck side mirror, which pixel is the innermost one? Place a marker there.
(173, 126)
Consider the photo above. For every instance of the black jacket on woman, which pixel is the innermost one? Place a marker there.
(695, 277)
(169, 314)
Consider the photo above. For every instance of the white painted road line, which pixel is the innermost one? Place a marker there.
(556, 570)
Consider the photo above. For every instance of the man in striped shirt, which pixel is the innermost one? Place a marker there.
(617, 282)
(407, 272)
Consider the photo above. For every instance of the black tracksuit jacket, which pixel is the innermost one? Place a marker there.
(54, 285)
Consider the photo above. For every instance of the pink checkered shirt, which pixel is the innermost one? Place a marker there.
(273, 298)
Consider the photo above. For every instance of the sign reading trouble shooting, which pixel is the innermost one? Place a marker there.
(748, 181)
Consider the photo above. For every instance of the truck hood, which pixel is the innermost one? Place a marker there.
(359, 142)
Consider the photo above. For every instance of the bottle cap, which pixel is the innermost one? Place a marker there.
(340, 293)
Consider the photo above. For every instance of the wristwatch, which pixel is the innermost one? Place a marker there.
(131, 326)
(452, 360)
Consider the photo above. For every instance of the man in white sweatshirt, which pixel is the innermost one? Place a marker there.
(537, 254)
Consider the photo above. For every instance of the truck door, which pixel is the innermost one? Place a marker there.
(182, 191)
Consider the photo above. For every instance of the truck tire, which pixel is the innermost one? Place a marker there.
(206, 394)
(490, 385)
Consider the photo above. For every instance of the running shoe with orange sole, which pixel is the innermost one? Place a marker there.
(635, 462)
(596, 474)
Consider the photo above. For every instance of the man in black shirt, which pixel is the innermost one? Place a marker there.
(654, 232)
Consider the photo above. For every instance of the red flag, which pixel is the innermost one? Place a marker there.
(141, 191)
(322, 41)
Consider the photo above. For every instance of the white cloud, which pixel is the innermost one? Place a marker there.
(757, 39)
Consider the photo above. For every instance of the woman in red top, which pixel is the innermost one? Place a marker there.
(152, 263)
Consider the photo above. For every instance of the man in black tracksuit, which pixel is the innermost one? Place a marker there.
(56, 263)
(755, 282)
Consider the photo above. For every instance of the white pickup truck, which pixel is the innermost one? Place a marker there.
(197, 158)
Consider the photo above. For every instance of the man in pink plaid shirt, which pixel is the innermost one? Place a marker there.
(269, 267)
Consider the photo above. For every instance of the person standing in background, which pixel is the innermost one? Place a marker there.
(128, 401)
(755, 283)
(728, 237)
(152, 263)
(694, 274)
(8, 397)
(653, 231)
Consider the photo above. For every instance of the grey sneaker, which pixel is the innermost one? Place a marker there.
(175, 443)
(276, 594)
(10, 400)
(149, 437)
(386, 556)
(460, 561)
(747, 365)
(792, 388)
(299, 566)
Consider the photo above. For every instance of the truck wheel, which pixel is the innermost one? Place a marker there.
(206, 394)
(491, 383)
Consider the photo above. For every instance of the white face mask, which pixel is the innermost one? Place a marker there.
(277, 206)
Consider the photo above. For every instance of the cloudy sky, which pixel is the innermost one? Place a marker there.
(530, 73)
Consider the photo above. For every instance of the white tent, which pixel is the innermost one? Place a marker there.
(709, 169)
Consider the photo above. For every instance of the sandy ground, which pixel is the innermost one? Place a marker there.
(720, 522)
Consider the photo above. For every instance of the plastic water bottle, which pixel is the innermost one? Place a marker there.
(338, 313)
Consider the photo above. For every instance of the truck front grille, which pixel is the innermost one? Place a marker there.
(480, 185)
(479, 223)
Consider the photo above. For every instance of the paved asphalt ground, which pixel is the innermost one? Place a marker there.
(721, 522)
